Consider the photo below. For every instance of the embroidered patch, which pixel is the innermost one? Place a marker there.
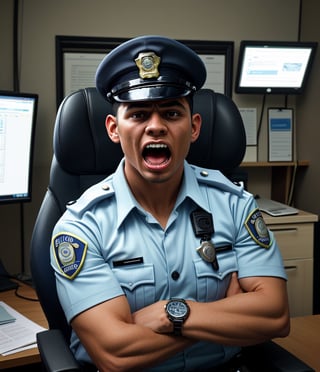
(69, 252)
(257, 229)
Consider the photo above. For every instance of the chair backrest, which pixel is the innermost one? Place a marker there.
(84, 154)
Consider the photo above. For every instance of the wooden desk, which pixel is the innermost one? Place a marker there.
(304, 340)
(31, 310)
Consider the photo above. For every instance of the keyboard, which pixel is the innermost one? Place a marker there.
(275, 208)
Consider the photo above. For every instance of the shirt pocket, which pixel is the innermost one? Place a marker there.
(138, 284)
(213, 284)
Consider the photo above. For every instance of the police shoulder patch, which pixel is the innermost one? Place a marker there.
(69, 252)
(257, 229)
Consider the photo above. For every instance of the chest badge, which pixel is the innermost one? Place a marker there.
(202, 224)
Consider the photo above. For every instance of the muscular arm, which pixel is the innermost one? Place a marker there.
(115, 343)
(117, 340)
(255, 313)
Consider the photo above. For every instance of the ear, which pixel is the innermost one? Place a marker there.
(112, 128)
(196, 127)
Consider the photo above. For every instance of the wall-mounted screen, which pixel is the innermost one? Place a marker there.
(77, 59)
(274, 67)
(17, 127)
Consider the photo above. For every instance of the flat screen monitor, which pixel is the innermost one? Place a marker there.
(17, 128)
(274, 67)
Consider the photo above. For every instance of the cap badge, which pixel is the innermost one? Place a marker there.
(148, 65)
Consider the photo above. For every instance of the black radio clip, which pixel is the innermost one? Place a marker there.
(202, 224)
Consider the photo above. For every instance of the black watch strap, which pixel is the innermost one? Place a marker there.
(177, 327)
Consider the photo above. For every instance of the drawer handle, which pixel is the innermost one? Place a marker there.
(291, 268)
(285, 230)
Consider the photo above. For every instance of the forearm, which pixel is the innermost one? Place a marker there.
(243, 319)
(139, 347)
(115, 343)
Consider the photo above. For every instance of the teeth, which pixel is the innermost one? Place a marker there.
(156, 146)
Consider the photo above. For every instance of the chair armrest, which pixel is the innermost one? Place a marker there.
(55, 352)
(270, 356)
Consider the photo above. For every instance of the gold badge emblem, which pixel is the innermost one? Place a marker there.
(148, 65)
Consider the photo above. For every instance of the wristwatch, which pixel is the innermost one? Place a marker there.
(177, 311)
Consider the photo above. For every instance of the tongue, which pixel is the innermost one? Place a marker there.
(156, 159)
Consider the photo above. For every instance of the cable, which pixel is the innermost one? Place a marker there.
(261, 116)
(300, 20)
(292, 184)
(16, 82)
(16, 87)
(14, 284)
(24, 297)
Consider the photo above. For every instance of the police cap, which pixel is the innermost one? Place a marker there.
(149, 68)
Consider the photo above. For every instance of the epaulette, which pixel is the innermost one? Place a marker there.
(91, 196)
(216, 179)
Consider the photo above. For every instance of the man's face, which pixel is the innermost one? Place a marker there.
(155, 137)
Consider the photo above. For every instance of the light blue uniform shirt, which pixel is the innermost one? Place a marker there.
(118, 248)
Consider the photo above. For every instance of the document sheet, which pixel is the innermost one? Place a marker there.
(19, 334)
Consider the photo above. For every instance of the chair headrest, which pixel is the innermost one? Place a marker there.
(222, 141)
(82, 146)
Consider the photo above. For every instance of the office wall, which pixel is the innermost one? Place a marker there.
(308, 118)
(41, 20)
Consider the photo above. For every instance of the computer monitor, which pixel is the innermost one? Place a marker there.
(274, 67)
(17, 127)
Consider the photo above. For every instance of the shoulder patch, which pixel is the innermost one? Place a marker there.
(69, 252)
(257, 229)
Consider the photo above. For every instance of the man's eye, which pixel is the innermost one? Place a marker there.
(173, 114)
(138, 115)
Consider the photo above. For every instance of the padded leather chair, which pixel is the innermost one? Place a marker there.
(83, 155)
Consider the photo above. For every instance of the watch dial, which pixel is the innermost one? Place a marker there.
(177, 309)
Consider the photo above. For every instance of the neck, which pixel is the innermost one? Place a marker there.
(157, 198)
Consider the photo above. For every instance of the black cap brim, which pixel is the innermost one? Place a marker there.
(152, 93)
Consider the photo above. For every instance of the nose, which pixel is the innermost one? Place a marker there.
(156, 126)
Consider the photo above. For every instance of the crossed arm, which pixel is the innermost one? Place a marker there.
(254, 310)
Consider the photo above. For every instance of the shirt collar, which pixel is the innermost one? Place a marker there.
(126, 201)
(190, 188)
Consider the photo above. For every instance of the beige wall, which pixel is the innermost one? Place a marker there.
(41, 20)
(308, 118)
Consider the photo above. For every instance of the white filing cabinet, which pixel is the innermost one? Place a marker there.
(295, 237)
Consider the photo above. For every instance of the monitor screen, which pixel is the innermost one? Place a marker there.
(17, 127)
(274, 67)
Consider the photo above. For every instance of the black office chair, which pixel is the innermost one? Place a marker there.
(84, 155)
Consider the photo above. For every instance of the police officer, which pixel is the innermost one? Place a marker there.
(142, 278)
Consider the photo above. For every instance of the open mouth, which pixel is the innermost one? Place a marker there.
(156, 154)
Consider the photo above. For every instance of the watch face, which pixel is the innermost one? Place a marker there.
(177, 309)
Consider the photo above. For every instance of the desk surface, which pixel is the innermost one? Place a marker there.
(304, 340)
(31, 310)
(301, 217)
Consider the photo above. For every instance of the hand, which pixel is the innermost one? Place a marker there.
(234, 286)
(154, 317)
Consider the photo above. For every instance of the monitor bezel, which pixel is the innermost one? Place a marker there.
(244, 44)
(7, 199)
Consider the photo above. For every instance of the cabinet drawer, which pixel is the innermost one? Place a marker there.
(300, 286)
(294, 240)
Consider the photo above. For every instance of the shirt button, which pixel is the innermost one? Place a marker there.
(175, 275)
